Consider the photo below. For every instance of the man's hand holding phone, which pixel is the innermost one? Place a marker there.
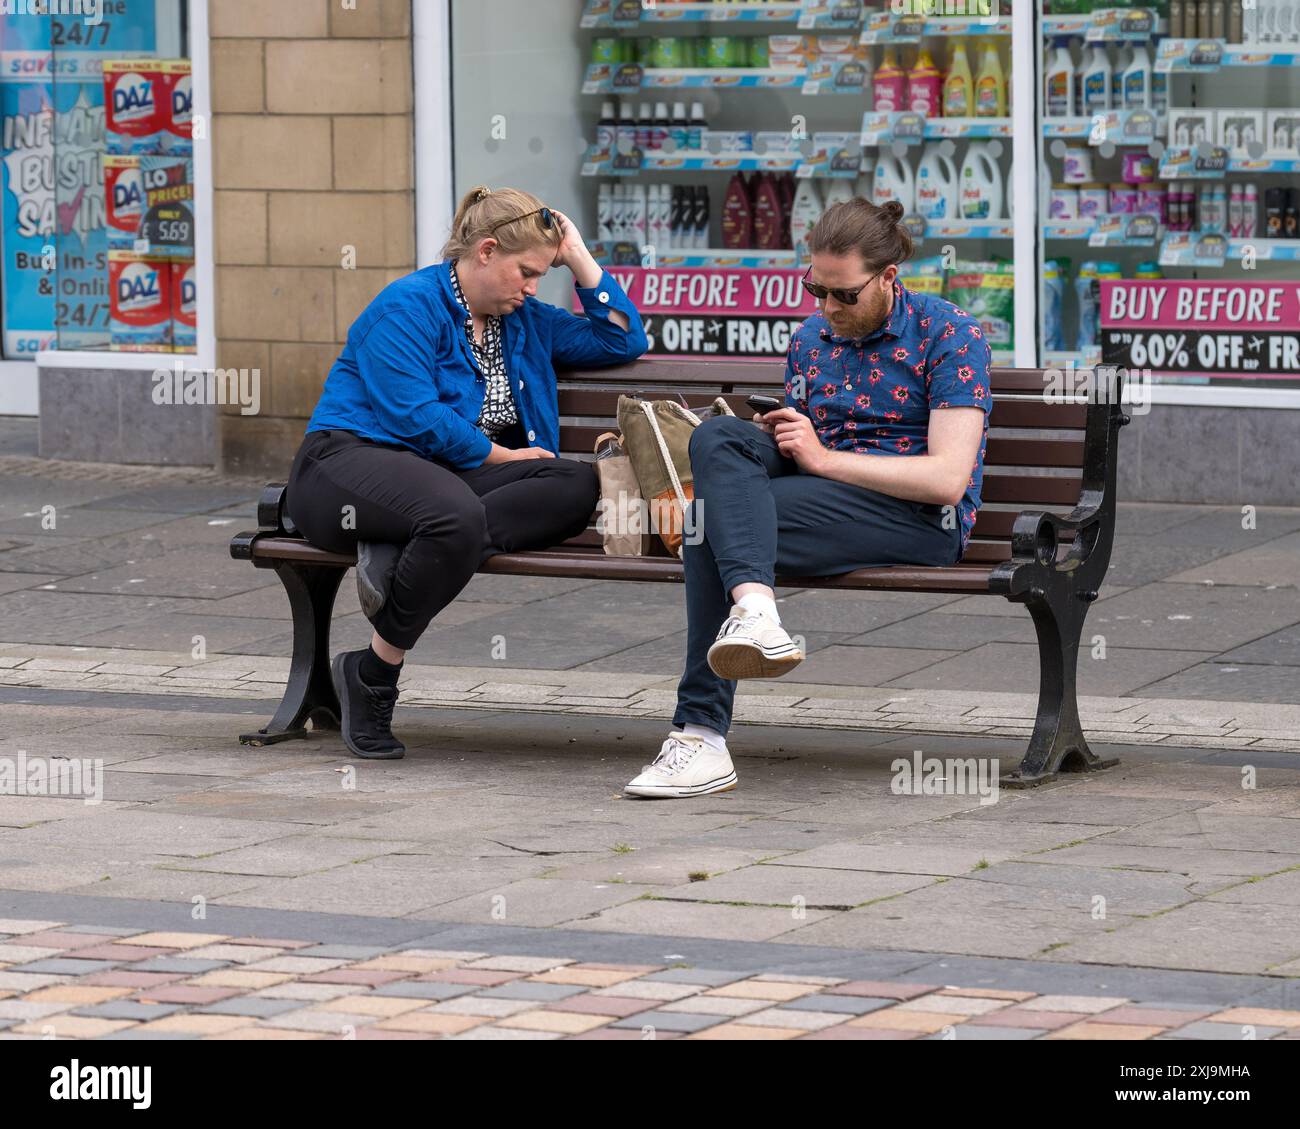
(761, 405)
(793, 432)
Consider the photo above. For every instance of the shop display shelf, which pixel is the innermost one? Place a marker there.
(1275, 250)
(1264, 164)
(743, 78)
(598, 163)
(600, 15)
(967, 127)
(1099, 231)
(1067, 127)
(969, 229)
(612, 78)
(878, 127)
(1252, 55)
(880, 28)
(1090, 25)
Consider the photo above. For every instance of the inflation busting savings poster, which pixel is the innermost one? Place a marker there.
(51, 145)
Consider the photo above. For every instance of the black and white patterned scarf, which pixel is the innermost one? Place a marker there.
(499, 410)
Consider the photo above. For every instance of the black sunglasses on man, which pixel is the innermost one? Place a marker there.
(844, 297)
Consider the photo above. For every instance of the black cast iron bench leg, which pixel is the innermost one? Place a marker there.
(1058, 744)
(310, 694)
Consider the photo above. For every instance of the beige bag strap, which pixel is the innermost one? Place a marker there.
(671, 467)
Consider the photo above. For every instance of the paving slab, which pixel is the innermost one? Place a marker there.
(1210, 936)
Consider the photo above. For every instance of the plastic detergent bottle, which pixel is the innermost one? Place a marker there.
(936, 185)
(1095, 83)
(981, 185)
(1060, 82)
(767, 213)
(894, 181)
(804, 213)
(1053, 297)
(1083, 291)
(1089, 292)
(990, 85)
(925, 86)
(840, 191)
(958, 86)
(889, 88)
(737, 215)
(862, 186)
(1123, 57)
(1137, 80)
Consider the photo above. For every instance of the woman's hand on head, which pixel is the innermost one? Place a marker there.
(572, 246)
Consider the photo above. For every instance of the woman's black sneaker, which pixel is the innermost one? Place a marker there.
(367, 709)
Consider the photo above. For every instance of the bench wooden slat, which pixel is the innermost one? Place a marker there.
(581, 440)
(552, 562)
(1031, 489)
(990, 525)
(730, 374)
(591, 403)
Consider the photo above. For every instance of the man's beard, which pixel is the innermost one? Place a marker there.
(861, 323)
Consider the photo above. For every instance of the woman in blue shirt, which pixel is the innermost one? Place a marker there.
(432, 446)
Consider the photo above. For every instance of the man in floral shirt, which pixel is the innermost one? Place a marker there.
(817, 488)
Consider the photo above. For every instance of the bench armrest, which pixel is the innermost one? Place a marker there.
(272, 520)
(1036, 535)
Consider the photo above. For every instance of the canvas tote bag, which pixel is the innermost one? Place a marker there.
(656, 438)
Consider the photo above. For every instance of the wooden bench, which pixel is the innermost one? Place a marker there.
(1052, 560)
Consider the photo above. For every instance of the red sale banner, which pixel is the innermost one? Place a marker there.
(1206, 328)
(742, 291)
(730, 312)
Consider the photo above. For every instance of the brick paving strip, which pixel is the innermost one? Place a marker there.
(70, 981)
(1120, 720)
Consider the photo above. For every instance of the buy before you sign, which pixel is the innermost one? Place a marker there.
(1202, 328)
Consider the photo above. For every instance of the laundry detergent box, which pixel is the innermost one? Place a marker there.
(134, 92)
(833, 51)
(185, 337)
(788, 52)
(167, 229)
(140, 303)
(176, 130)
(123, 201)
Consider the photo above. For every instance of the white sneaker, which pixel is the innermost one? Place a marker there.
(685, 766)
(752, 645)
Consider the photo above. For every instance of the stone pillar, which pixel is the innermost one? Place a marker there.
(315, 203)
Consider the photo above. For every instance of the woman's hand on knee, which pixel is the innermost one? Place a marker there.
(500, 454)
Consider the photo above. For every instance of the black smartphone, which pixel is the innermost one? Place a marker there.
(764, 404)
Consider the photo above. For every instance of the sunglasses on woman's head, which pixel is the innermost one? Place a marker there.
(844, 297)
(549, 219)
